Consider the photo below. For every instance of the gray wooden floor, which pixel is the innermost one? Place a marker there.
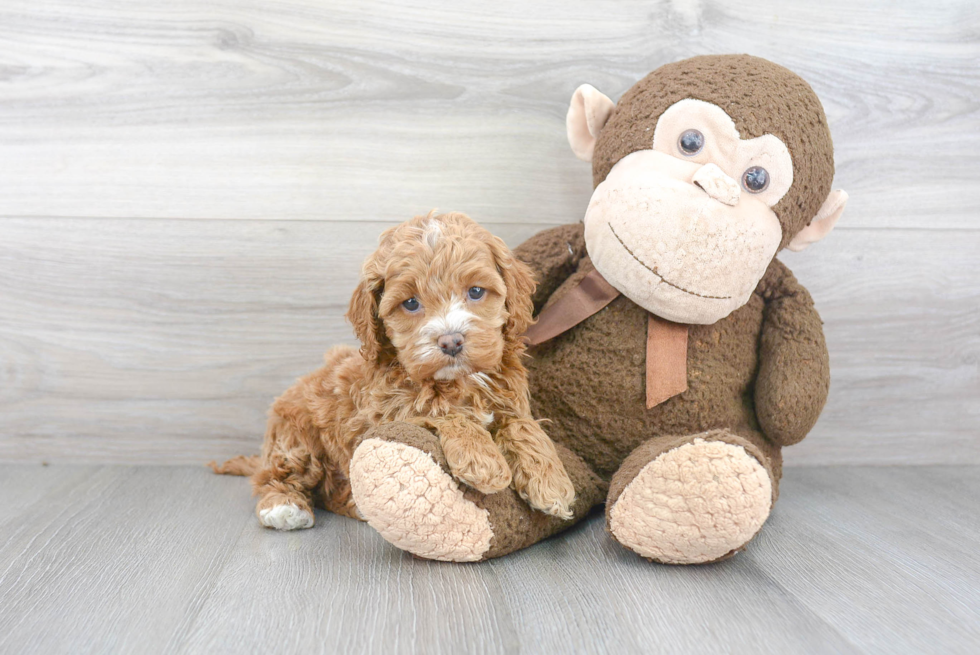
(114, 559)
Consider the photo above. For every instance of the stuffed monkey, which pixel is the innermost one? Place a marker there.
(673, 355)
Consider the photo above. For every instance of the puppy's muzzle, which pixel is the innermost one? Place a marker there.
(451, 344)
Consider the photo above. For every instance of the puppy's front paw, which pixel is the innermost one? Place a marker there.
(478, 463)
(286, 517)
(547, 489)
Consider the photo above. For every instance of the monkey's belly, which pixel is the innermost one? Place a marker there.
(591, 382)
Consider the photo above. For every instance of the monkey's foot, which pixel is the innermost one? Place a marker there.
(412, 500)
(402, 485)
(698, 502)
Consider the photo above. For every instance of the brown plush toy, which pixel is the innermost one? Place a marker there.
(673, 354)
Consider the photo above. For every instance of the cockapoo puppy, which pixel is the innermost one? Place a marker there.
(440, 310)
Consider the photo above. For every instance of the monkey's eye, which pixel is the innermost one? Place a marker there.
(691, 142)
(412, 305)
(475, 293)
(755, 179)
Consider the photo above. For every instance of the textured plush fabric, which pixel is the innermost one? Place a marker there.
(759, 376)
(590, 381)
(415, 504)
(760, 96)
(587, 113)
(404, 489)
(713, 120)
(754, 445)
(794, 374)
(516, 526)
(698, 502)
(411, 435)
(728, 386)
(757, 379)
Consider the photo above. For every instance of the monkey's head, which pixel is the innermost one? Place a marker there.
(703, 171)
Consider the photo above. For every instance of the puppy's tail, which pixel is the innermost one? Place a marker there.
(240, 465)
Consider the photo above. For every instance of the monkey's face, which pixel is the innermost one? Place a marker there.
(705, 168)
(686, 228)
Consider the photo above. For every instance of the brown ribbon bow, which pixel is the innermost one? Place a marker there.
(666, 341)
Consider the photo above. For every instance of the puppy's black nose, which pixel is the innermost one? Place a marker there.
(451, 344)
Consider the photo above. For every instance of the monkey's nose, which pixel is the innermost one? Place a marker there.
(451, 344)
(713, 181)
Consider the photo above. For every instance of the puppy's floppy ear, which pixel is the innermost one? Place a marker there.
(363, 314)
(519, 281)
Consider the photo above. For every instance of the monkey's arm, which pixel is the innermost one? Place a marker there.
(794, 368)
(553, 255)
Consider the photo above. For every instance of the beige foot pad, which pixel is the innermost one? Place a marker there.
(694, 504)
(415, 505)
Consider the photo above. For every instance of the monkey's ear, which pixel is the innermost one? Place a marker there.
(822, 223)
(587, 113)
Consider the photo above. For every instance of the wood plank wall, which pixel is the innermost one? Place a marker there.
(187, 189)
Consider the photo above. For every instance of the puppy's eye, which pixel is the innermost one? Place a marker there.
(411, 305)
(475, 293)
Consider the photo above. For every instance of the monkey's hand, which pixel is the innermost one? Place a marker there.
(794, 372)
(553, 255)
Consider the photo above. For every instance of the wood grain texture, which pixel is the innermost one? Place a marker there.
(171, 559)
(113, 559)
(165, 341)
(910, 531)
(901, 313)
(141, 323)
(338, 111)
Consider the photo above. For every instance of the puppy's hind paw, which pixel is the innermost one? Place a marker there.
(286, 517)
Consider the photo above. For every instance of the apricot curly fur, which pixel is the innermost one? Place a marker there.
(477, 401)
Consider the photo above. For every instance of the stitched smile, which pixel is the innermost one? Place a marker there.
(654, 271)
